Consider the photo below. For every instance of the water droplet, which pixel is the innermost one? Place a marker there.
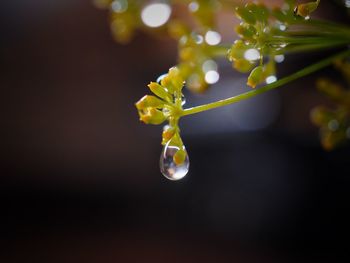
(183, 100)
(197, 38)
(279, 58)
(271, 79)
(166, 111)
(282, 27)
(159, 79)
(168, 167)
(283, 45)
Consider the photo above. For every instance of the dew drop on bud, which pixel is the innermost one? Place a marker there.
(159, 79)
(183, 100)
(168, 167)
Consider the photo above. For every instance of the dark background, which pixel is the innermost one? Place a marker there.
(80, 180)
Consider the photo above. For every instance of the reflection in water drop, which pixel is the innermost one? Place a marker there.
(159, 79)
(168, 167)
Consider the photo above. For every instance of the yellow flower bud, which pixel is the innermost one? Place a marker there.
(167, 134)
(242, 65)
(321, 116)
(306, 9)
(327, 140)
(331, 89)
(237, 50)
(256, 76)
(179, 157)
(149, 101)
(187, 54)
(152, 116)
(160, 91)
(173, 81)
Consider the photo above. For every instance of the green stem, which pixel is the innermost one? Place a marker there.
(306, 71)
(312, 47)
(323, 24)
(308, 39)
(312, 33)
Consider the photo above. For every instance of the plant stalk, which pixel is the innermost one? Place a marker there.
(299, 74)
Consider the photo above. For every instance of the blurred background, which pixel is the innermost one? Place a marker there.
(80, 180)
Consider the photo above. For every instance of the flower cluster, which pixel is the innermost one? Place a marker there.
(204, 11)
(264, 36)
(168, 100)
(195, 59)
(334, 122)
(127, 16)
(124, 17)
(167, 105)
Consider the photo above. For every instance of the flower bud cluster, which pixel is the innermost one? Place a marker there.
(264, 35)
(334, 122)
(165, 104)
(195, 55)
(193, 52)
(204, 11)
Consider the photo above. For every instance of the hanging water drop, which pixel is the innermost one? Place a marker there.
(168, 167)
